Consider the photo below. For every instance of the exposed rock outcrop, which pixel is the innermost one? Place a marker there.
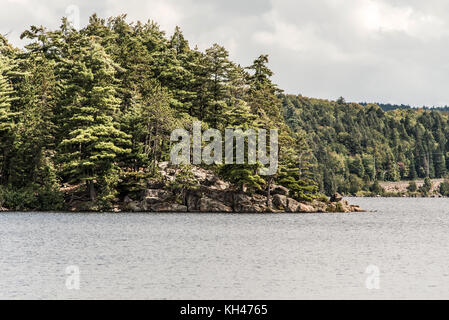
(212, 205)
(280, 201)
(168, 207)
(216, 195)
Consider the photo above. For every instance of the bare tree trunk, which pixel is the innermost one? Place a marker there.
(270, 180)
(92, 193)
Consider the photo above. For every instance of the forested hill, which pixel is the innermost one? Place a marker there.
(391, 107)
(354, 145)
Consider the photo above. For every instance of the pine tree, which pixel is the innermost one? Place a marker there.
(217, 67)
(294, 152)
(261, 73)
(93, 139)
(6, 121)
(294, 172)
(180, 76)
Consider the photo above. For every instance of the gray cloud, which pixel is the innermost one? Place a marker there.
(365, 50)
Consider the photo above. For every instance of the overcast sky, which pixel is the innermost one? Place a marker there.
(378, 51)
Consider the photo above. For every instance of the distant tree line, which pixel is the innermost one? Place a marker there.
(391, 107)
(354, 145)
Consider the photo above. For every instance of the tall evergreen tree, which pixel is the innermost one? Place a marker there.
(6, 121)
(94, 139)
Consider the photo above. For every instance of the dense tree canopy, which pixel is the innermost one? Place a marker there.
(93, 109)
(355, 145)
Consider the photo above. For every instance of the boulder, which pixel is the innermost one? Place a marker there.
(127, 200)
(280, 201)
(346, 206)
(341, 206)
(220, 185)
(356, 209)
(211, 205)
(283, 191)
(134, 206)
(320, 206)
(292, 205)
(210, 180)
(259, 200)
(3, 209)
(242, 203)
(220, 195)
(306, 208)
(152, 200)
(258, 209)
(241, 198)
(192, 202)
(144, 205)
(168, 207)
(336, 197)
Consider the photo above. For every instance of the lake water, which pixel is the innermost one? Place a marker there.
(404, 245)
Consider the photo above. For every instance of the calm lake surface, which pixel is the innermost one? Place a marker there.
(210, 256)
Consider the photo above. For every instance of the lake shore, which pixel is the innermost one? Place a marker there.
(209, 194)
(400, 187)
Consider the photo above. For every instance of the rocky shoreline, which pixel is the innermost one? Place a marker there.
(214, 195)
(210, 195)
(400, 189)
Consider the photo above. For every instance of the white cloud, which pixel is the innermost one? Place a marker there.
(165, 13)
(391, 51)
(378, 16)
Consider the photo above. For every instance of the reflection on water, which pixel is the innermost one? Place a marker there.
(209, 256)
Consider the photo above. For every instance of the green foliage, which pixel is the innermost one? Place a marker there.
(444, 188)
(426, 187)
(6, 119)
(301, 189)
(32, 198)
(184, 181)
(377, 189)
(412, 187)
(355, 145)
(132, 183)
(93, 139)
(246, 177)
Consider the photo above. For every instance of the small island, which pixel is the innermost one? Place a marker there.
(207, 193)
(86, 118)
